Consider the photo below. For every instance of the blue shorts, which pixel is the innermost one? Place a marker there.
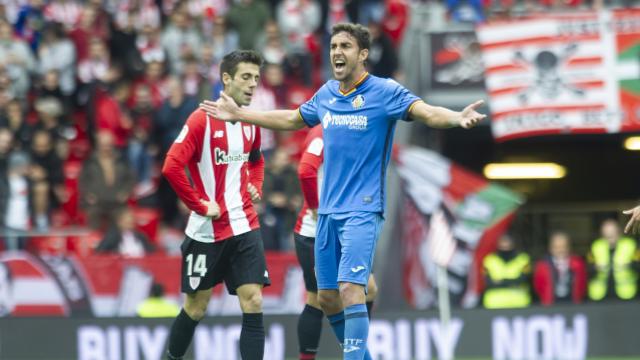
(344, 249)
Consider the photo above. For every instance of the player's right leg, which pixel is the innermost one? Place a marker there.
(202, 267)
(310, 320)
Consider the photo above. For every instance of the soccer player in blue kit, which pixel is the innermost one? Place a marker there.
(358, 113)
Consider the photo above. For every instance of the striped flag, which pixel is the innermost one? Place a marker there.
(449, 217)
(563, 73)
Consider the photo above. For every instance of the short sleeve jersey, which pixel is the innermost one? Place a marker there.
(358, 127)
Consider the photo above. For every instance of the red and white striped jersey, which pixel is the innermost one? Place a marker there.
(222, 159)
(310, 175)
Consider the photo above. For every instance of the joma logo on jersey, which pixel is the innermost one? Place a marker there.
(221, 157)
(353, 122)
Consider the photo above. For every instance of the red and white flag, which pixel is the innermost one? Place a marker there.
(563, 73)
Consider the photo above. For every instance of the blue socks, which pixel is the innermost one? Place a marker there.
(352, 328)
(356, 330)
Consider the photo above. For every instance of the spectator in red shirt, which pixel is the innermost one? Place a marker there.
(560, 276)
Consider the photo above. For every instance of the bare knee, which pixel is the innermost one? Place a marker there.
(195, 311)
(312, 299)
(250, 298)
(329, 301)
(195, 305)
(351, 294)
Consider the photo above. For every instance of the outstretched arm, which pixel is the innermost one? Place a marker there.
(227, 110)
(440, 117)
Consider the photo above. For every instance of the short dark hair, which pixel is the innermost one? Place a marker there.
(359, 32)
(230, 61)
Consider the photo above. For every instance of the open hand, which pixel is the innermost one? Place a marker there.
(213, 210)
(633, 225)
(253, 191)
(470, 117)
(224, 109)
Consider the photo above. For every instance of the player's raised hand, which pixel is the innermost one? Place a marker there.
(213, 210)
(224, 109)
(253, 191)
(470, 117)
(633, 225)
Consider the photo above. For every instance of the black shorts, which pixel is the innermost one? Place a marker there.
(306, 258)
(237, 261)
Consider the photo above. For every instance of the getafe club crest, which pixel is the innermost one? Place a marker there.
(357, 102)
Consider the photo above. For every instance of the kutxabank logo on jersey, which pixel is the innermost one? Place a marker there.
(351, 121)
(221, 157)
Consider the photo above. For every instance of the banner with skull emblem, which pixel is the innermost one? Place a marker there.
(563, 73)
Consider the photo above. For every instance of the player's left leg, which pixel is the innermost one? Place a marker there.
(247, 276)
(252, 334)
(359, 234)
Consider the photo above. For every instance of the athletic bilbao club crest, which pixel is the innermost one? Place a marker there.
(247, 132)
(194, 281)
(357, 102)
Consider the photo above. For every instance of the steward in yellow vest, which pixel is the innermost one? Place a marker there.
(614, 264)
(156, 306)
(506, 274)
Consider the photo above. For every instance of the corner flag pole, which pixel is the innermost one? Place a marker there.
(444, 308)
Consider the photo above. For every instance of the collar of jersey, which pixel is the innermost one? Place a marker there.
(364, 77)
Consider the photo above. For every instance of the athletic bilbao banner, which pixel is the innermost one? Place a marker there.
(449, 217)
(563, 73)
(111, 286)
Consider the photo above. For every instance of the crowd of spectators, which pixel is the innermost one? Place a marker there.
(93, 93)
(609, 271)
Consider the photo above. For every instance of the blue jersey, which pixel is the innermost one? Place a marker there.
(358, 128)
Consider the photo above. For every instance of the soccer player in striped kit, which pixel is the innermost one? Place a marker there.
(223, 241)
